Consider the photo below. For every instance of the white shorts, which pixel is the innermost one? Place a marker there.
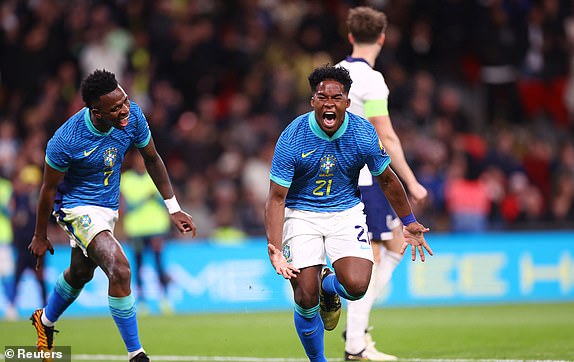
(309, 237)
(83, 223)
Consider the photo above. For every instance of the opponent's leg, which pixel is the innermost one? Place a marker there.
(358, 340)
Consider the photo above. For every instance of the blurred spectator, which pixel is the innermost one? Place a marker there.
(562, 208)
(537, 164)
(196, 193)
(107, 44)
(467, 199)
(227, 223)
(563, 199)
(502, 153)
(9, 145)
(501, 43)
(450, 107)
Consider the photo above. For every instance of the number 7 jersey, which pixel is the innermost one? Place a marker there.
(322, 172)
(92, 160)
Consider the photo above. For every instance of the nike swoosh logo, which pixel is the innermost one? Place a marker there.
(309, 333)
(303, 154)
(87, 153)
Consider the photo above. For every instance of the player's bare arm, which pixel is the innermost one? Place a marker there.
(274, 217)
(40, 242)
(158, 173)
(393, 146)
(414, 231)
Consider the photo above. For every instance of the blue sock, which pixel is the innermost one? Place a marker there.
(332, 286)
(61, 298)
(311, 332)
(123, 311)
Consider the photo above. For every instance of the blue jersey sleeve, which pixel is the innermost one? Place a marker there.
(58, 155)
(142, 132)
(283, 163)
(377, 157)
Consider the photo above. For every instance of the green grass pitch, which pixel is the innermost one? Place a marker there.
(497, 332)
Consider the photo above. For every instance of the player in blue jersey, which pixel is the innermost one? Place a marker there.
(314, 209)
(369, 96)
(81, 188)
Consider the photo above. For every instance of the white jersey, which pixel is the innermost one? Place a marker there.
(369, 97)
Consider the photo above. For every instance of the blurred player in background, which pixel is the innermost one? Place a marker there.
(82, 185)
(369, 95)
(314, 209)
(146, 224)
(6, 254)
(23, 209)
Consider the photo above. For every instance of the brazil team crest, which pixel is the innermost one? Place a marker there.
(287, 252)
(110, 156)
(85, 220)
(327, 165)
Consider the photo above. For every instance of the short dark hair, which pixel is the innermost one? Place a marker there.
(338, 74)
(97, 84)
(366, 24)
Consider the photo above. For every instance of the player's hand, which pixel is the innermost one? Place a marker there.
(184, 222)
(414, 235)
(38, 247)
(282, 267)
(418, 192)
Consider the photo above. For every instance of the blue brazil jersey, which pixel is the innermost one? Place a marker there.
(321, 172)
(92, 160)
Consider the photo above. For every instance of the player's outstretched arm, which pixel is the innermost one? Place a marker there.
(40, 242)
(274, 218)
(413, 230)
(158, 173)
(393, 146)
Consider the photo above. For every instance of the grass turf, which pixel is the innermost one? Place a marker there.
(518, 332)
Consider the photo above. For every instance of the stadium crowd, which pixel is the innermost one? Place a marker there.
(482, 96)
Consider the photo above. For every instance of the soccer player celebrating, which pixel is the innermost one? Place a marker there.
(81, 188)
(314, 207)
(369, 96)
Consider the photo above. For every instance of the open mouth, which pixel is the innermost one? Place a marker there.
(122, 122)
(329, 118)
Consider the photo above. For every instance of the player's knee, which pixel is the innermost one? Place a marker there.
(306, 300)
(120, 274)
(353, 297)
(355, 292)
(355, 284)
(356, 287)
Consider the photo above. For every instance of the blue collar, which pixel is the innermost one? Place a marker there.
(350, 59)
(91, 126)
(318, 131)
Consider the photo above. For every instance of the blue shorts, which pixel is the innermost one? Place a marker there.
(381, 218)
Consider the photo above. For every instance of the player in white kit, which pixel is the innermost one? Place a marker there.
(369, 96)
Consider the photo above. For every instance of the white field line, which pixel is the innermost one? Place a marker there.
(108, 357)
(104, 357)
